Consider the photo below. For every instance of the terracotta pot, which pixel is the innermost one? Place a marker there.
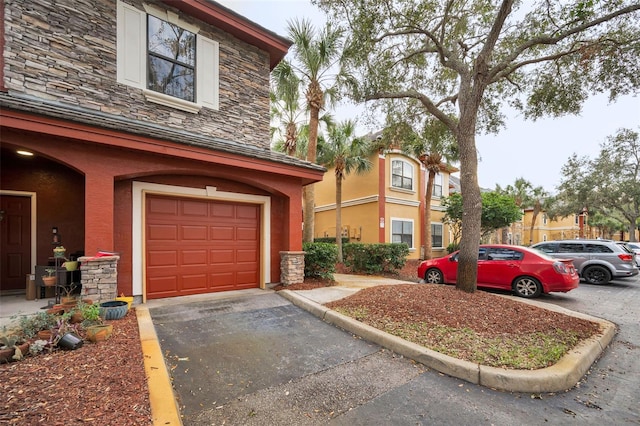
(49, 281)
(6, 355)
(99, 333)
(76, 318)
(56, 310)
(68, 300)
(44, 335)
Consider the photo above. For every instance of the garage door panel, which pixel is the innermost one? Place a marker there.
(194, 282)
(193, 258)
(246, 234)
(163, 284)
(246, 277)
(219, 233)
(162, 232)
(247, 212)
(162, 206)
(219, 257)
(162, 258)
(194, 208)
(194, 233)
(223, 211)
(200, 246)
(247, 256)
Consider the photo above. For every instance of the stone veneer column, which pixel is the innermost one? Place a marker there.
(99, 278)
(291, 267)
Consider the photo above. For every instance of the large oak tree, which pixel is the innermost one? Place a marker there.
(459, 61)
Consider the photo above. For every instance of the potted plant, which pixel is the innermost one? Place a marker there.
(38, 324)
(50, 279)
(65, 334)
(12, 348)
(68, 300)
(95, 329)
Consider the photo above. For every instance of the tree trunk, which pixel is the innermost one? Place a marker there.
(309, 192)
(470, 190)
(308, 195)
(339, 216)
(534, 217)
(428, 245)
(504, 236)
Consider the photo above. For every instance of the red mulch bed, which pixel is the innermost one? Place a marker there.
(99, 383)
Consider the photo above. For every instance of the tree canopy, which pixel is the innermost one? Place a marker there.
(608, 185)
(498, 211)
(459, 61)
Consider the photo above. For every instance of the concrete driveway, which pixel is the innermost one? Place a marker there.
(254, 358)
(258, 359)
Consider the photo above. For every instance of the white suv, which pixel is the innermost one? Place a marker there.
(597, 261)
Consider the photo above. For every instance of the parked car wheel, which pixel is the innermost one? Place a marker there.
(433, 276)
(596, 275)
(527, 287)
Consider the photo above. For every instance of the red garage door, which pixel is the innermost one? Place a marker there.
(200, 246)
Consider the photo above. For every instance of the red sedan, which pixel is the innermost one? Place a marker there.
(526, 272)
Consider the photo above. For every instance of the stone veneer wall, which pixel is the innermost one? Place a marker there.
(99, 278)
(65, 51)
(291, 267)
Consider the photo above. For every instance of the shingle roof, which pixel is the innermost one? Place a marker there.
(100, 119)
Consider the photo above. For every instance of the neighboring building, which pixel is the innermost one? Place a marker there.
(386, 204)
(160, 154)
(545, 229)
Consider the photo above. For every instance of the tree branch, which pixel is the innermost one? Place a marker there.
(549, 40)
(425, 100)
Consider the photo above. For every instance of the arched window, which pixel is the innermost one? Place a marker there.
(401, 174)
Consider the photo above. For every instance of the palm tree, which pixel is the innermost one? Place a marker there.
(345, 154)
(538, 198)
(520, 194)
(285, 106)
(316, 55)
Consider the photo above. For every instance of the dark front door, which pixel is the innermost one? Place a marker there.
(15, 244)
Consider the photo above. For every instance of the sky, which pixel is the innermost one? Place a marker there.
(535, 151)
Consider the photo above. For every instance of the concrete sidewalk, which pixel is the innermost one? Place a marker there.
(564, 375)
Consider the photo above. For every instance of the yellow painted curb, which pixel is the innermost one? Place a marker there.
(164, 410)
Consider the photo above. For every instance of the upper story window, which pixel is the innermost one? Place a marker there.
(401, 175)
(167, 58)
(437, 185)
(172, 57)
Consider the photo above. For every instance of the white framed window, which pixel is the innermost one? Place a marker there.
(437, 231)
(437, 185)
(166, 58)
(402, 231)
(401, 175)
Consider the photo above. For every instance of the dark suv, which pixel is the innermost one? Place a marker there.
(597, 261)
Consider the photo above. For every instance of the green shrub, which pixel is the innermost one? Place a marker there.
(452, 247)
(375, 258)
(320, 259)
(331, 240)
